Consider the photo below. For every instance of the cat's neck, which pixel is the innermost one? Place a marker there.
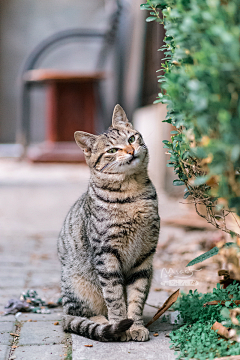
(120, 182)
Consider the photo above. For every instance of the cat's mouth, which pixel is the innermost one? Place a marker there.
(132, 159)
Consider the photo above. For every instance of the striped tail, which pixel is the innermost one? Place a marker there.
(90, 329)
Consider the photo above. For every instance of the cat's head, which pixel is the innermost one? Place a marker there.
(120, 150)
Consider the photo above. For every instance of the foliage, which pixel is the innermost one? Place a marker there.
(195, 339)
(200, 85)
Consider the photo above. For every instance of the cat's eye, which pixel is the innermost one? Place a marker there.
(112, 151)
(131, 139)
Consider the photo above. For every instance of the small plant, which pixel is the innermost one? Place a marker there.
(195, 339)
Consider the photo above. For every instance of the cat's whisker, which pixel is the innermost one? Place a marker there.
(105, 167)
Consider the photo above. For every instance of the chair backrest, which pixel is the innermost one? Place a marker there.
(32, 62)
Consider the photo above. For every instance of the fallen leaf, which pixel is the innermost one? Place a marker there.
(222, 302)
(156, 334)
(14, 334)
(233, 357)
(29, 320)
(88, 345)
(221, 330)
(169, 302)
(56, 323)
(14, 346)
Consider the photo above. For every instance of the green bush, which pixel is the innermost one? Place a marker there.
(200, 83)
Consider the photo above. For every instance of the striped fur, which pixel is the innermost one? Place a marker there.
(109, 237)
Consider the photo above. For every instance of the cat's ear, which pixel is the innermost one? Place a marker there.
(85, 141)
(119, 117)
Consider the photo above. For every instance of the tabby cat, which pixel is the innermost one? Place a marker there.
(109, 237)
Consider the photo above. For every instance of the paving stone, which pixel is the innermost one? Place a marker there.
(5, 318)
(41, 333)
(56, 315)
(40, 279)
(12, 281)
(3, 352)
(40, 352)
(7, 294)
(8, 259)
(155, 349)
(5, 329)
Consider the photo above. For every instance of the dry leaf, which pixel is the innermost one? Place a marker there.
(233, 357)
(221, 330)
(156, 334)
(14, 334)
(222, 302)
(88, 345)
(29, 320)
(169, 302)
(56, 323)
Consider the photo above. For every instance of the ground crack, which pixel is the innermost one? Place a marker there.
(15, 335)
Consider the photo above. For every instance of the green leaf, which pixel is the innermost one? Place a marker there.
(225, 313)
(228, 303)
(208, 254)
(145, 7)
(200, 180)
(178, 182)
(187, 193)
(151, 18)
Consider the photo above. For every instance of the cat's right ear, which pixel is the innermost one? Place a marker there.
(85, 141)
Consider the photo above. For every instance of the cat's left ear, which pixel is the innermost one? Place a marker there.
(119, 117)
(85, 141)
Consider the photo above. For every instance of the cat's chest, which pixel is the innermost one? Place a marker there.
(127, 228)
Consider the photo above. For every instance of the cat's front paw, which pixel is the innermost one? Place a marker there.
(138, 333)
(126, 336)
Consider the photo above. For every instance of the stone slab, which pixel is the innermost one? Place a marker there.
(3, 352)
(12, 281)
(41, 333)
(10, 318)
(5, 329)
(155, 349)
(40, 352)
(56, 315)
(41, 279)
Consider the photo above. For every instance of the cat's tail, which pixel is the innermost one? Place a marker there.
(92, 330)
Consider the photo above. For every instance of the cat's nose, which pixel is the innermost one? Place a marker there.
(129, 150)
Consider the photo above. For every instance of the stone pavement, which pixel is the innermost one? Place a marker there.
(34, 199)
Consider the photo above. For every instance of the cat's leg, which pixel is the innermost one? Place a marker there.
(78, 319)
(108, 266)
(138, 284)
